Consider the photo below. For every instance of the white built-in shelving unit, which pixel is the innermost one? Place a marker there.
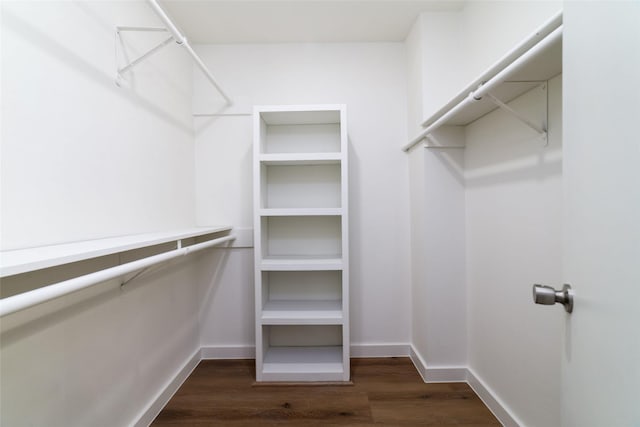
(301, 243)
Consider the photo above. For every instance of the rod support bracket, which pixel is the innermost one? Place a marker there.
(540, 130)
(121, 70)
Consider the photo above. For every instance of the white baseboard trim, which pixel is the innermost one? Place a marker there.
(465, 374)
(162, 398)
(380, 350)
(437, 374)
(492, 401)
(228, 352)
(447, 374)
(418, 362)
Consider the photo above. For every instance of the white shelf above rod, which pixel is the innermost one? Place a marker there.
(180, 39)
(520, 57)
(25, 300)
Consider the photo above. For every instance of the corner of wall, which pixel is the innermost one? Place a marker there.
(156, 404)
(448, 374)
(437, 374)
(413, 50)
(497, 407)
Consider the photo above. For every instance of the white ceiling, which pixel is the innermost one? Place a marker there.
(269, 21)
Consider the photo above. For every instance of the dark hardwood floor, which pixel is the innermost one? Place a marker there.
(385, 392)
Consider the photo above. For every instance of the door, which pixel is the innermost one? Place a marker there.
(601, 119)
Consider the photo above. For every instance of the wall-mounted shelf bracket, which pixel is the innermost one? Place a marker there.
(176, 36)
(153, 50)
(135, 276)
(142, 272)
(541, 130)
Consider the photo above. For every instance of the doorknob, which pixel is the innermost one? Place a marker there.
(546, 295)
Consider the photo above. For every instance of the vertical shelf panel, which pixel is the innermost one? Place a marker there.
(301, 244)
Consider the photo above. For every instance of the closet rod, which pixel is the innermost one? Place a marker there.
(182, 41)
(25, 300)
(516, 65)
(485, 88)
(544, 30)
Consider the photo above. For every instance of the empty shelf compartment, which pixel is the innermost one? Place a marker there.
(302, 236)
(302, 297)
(296, 186)
(303, 353)
(301, 363)
(300, 132)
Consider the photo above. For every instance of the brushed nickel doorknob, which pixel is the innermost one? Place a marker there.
(546, 295)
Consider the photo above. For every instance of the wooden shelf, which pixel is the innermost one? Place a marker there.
(31, 259)
(296, 312)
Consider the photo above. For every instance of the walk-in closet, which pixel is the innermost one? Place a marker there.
(319, 212)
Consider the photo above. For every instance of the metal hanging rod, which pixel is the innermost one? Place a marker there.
(38, 296)
(484, 89)
(540, 33)
(518, 64)
(180, 39)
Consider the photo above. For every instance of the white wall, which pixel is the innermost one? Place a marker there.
(513, 223)
(437, 203)
(444, 47)
(439, 305)
(82, 159)
(370, 80)
(495, 27)
(414, 54)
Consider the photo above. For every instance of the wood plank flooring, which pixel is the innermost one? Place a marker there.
(385, 392)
